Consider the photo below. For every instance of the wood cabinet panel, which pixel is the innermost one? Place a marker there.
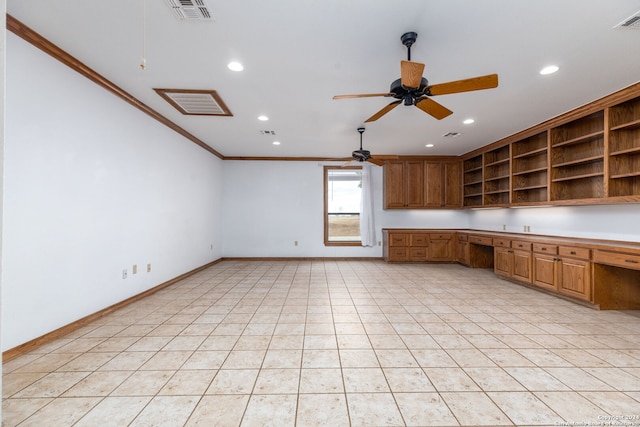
(545, 271)
(574, 252)
(619, 259)
(575, 278)
(521, 265)
(434, 185)
(441, 250)
(394, 185)
(503, 262)
(414, 177)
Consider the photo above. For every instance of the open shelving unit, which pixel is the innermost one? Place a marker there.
(472, 182)
(529, 163)
(624, 149)
(497, 176)
(577, 159)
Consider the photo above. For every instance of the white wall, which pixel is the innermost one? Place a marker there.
(91, 187)
(267, 205)
(615, 222)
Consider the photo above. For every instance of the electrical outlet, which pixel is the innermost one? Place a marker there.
(148, 268)
(134, 269)
(124, 273)
(379, 243)
(295, 243)
(504, 227)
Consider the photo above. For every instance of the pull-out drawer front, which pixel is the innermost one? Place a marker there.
(481, 240)
(543, 248)
(579, 253)
(419, 240)
(440, 236)
(618, 259)
(418, 253)
(519, 244)
(399, 253)
(502, 243)
(399, 239)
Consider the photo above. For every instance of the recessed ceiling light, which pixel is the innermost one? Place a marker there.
(276, 142)
(235, 66)
(429, 145)
(468, 121)
(263, 118)
(549, 69)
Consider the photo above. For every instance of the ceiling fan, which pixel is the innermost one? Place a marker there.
(361, 155)
(413, 89)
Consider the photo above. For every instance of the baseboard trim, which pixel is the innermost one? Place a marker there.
(64, 330)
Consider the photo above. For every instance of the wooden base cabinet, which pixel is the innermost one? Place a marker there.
(441, 247)
(575, 278)
(463, 253)
(566, 270)
(408, 246)
(513, 263)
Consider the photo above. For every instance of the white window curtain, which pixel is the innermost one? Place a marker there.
(367, 227)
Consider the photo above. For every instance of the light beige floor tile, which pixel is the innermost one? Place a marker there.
(219, 411)
(494, 379)
(289, 328)
(571, 406)
(475, 409)
(320, 342)
(52, 385)
(470, 358)
(166, 410)
(358, 358)
(206, 360)
(270, 411)
(507, 357)
(484, 341)
(373, 409)
(275, 358)
(452, 341)
(616, 378)
(355, 341)
(114, 412)
(524, 408)
(166, 360)
(233, 381)
(615, 403)
(188, 383)
(578, 379)
(322, 410)
(46, 363)
(61, 412)
(408, 380)
(115, 344)
(100, 383)
(321, 381)
(127, 361)
(87, 362)
(434, 359)
(536, 379)
(14, 382)
(143, 383)
(219, 342)
(277, 381)
(450, 379)
(543, 357)
(364, 380)
(252, 342)
(14, 411)
(244, 359)
(320, 359)
(424, 409)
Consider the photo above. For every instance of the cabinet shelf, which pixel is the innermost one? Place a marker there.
(496, 178)
(583, 176)
(631, 150)
(473, 194)
(473, 182)
(625, 175)
(530, 187)
(497, 162)
(579, 139)
(635, 124)
(531, 153)
(496, 192)
(579, 161)
(524, 172)
(473, 169)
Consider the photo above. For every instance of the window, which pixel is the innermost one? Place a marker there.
(342, 194)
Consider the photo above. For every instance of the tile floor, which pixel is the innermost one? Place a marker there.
(336, 343)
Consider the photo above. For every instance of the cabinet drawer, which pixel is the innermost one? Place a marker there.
(618, 259)
(481, 240)
(502, 243)
(462, 237)
(519, 244)
(398, 239)
(419, 239)
(398, 253)
(440, 236)
(543, 248)
(418, 254)
(580, 253)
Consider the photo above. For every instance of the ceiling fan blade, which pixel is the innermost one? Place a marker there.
(432, 108)
(382, 112)
(475, 83)
(411, 74)
(376, 162)
(362, 95)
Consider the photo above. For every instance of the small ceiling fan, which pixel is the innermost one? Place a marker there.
(361, 155)
(413, 89)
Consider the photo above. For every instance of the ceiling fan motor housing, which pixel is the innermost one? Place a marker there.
(361, 155)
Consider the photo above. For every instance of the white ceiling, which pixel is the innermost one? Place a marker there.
(299, 53)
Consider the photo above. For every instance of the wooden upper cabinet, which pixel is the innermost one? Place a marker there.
(420, 184)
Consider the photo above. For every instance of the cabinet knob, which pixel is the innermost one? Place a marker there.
(631, 261)
(572, 252)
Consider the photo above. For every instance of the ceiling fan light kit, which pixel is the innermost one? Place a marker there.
(413, 89)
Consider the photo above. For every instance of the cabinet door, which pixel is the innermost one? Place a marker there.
(394, 188)
(521, 265)
(453, 184)
(398, 253)
(441, 250)
(503, 261)
(575, 278)
(462, 252)
(414, 172)
(433, 196)
(545, 271)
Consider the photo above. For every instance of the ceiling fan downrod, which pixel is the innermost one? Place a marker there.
(361, 131)
(408, 39)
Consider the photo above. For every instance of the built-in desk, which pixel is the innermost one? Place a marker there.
(602, 273)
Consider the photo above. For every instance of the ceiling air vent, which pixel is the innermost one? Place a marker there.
(195, 102)
(631, 22)
(451, 134)
(190, 10)
(267, 132)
